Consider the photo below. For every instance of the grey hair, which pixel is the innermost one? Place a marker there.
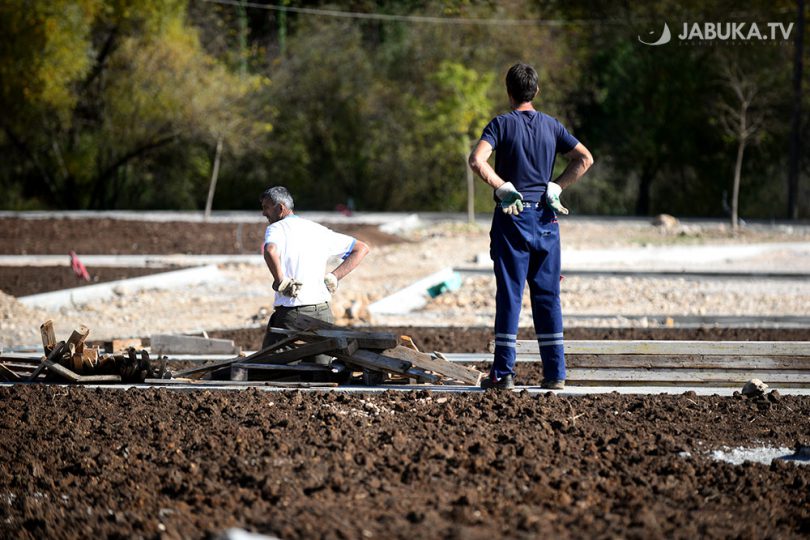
(278, 195)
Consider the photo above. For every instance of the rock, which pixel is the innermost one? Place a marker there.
(754, 388)
(665, 221)
(774, 396)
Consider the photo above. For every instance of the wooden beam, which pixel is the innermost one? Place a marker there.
(425, 361)
(688, 376)
(365, 340)
(240, 372)
(7, 374)
(200, 370)
(55, 353)
(76, 340)
(668, 347)
(173, 344)
(378, 362)
(652, 361)
(48, 336)
(237, 384)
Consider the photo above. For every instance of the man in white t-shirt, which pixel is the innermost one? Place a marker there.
(296, 251)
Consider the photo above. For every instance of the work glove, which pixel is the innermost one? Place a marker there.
(289, 287)
(553, 198)
(511, 199)
(331, 282)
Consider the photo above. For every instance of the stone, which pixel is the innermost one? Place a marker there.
(754, 387)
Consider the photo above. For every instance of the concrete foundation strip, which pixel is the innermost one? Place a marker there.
(102, 291)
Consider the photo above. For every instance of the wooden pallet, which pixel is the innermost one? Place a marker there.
(370, 352)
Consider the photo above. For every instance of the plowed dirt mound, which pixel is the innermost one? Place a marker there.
(90, 463)
(118, 237)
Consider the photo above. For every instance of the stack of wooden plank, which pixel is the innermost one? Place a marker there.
(75, 361)
(377, 355)
(662, 363)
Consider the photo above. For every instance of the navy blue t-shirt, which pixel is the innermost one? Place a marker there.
(526, 145)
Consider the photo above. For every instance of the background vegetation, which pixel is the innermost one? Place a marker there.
(120, 103)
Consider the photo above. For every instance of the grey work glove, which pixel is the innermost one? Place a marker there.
(331, 282)
(553, 198)
(289, 287)
(511, 199)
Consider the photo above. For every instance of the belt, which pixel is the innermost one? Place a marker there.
(526, 204)
(310, 306)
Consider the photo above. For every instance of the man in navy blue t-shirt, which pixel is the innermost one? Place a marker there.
(525, 236)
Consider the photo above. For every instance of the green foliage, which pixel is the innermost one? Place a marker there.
(120, 103)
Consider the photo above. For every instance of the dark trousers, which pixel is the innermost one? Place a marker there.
(527, 247)
(283, 317)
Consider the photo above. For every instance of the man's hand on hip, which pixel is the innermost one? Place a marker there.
(511, 199)
(289, 287)
(331, 282)
(553, 198)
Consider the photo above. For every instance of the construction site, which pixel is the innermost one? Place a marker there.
(138, 400)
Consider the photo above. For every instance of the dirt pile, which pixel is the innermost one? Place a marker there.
(414, 465)
(120, 237)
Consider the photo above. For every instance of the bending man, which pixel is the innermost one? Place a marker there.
(296, 251)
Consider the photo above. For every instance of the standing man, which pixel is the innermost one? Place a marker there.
(525, 236)
(296, 251)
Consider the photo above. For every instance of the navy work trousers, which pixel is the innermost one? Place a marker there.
(526, 247)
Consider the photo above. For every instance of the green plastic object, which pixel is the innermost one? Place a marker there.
(451, 284)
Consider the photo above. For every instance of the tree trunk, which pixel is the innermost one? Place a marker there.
(796, 117)
(735, 190)
(644, 187)
(214, 174)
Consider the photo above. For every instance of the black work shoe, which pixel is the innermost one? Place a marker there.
(507, 382)
(553, 384)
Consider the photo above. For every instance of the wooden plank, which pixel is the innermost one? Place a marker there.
(76, 340)
(324, 346)
(7, 374)
(62, 371)
(365, 340)
(175, 344)
(278, 384)
(46, 361)
(48, 336)
(378, 362)
(684, 376)
(200, 370)
(90, 379)
(27, 368)
(669, 347)
(466, 375)
(608, 361)
(240, 372)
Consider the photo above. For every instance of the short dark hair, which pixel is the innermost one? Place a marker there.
(521, 82)
(278, 195)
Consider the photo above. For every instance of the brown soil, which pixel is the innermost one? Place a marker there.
(25, 280)
(118, 237)
(163, 464)
(474, 339)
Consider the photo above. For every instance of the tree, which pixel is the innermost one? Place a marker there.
(110, 86)
(740, 120)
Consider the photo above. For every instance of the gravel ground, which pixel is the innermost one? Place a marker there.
(245, 298)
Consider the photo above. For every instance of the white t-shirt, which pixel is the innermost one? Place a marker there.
(304, 247)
